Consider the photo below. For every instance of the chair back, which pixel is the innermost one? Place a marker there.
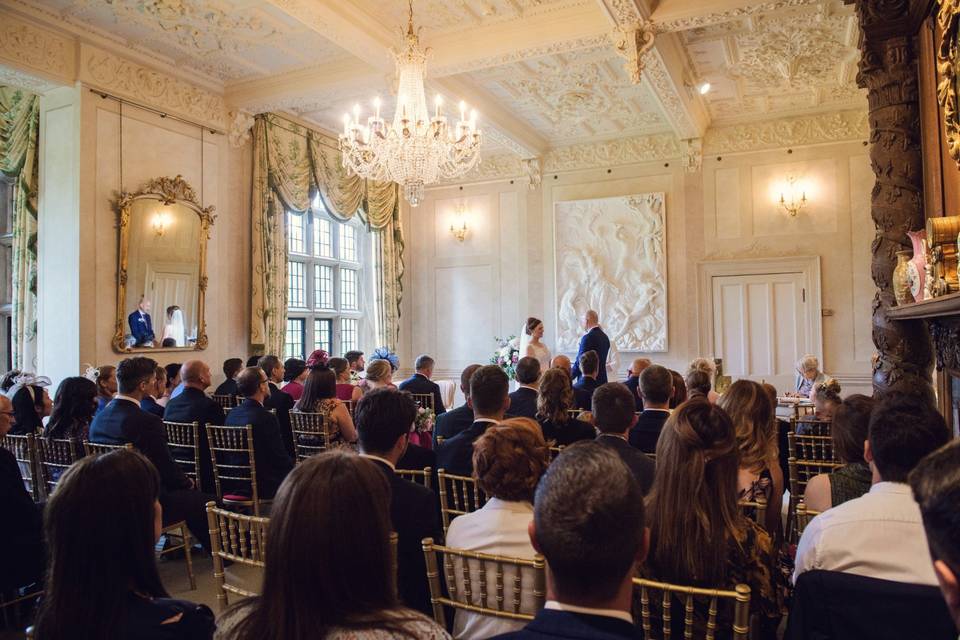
(225, 401)
(808, 456)
(183, 440)
(54, 457)
(573, 414)
(350, 405)
(309, 434)
(555, 451)
(423, 400)
(755, 509)
(234, 466)
(458, 495)
(24, 449)
(804, 516)
(468, 577)
(701, 609)
(420, 476)
(241, 540)
(440, 440)
(98, 448)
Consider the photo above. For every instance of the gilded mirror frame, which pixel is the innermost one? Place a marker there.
(948, 70)
(168, 191)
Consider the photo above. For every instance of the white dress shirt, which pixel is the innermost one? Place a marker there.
(498, 528)
(878, 535)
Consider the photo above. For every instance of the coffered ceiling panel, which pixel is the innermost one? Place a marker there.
(439, 16)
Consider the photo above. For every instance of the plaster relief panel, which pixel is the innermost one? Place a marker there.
(610, 256)
(815, 179)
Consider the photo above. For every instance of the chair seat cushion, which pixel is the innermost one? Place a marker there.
(236, 497)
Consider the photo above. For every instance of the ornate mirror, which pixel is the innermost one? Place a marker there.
(161, 268)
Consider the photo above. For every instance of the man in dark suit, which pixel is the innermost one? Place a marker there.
(656, 387)
(141, 326)
(420, 383)
(384, 419)
(122, 421)
(193, 405)
(588, 382)
(156, 390)
(613, 417)
(593, 340)
(588, 523)
(633, 380)
(273, 462)
(278, 399)
(231, 367)
(523, 401)
(456, 420)
(489, 394)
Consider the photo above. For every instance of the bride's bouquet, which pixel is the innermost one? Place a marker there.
(507, 355)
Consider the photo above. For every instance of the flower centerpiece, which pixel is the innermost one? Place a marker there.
(507, 355)
(383, 353)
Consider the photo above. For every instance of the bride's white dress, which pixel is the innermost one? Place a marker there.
(540, 352)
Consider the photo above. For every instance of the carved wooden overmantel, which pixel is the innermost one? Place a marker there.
(888, 70)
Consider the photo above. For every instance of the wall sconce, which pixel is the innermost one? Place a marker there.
(161, 221)
(788, 197)
(459, 226)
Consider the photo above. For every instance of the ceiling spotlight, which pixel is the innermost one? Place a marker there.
(703, 88)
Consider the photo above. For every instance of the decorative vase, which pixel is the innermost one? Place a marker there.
(901, 279)
(918, 264)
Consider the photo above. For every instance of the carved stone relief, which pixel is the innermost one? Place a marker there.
(29, 47)
(610, 256)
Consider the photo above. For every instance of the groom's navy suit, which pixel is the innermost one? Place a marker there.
(141, 327)
(593, 340)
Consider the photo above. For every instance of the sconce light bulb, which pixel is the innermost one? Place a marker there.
(704, 88)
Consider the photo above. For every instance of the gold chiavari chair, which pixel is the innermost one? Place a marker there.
(458, 495)
(226, 402)
(420, 476)
(808, 456)
(511, 576)
(440, 440)
(423, 400)
(99, 448)
(811, 427)
(574, 414)
(351, 406)
(55, 456)
(309, 434)
(756, 510)
(24, 449)
(234, 464)
(804, 516)
(242, 540)
(183, 440)
(555, 451)
(661, 613)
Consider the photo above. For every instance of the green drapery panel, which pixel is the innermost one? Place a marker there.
(19, 129)
(291, 162)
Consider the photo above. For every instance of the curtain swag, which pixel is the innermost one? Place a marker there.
(291, 163)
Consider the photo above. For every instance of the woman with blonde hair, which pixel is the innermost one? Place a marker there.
(752, 413)
(554, 400)
(379, 374)
(508, 460)
(705, 366)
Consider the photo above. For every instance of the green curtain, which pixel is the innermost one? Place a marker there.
(19, 129)
(290, 163)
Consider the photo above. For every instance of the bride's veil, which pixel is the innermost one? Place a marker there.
(176, 324)
(524, 340)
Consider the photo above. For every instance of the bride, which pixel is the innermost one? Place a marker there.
(173, 328)
(530, 344)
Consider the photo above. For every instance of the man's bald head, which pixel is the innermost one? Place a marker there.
(196, 374)
(639, 364)
(591, 319)
(561, 361)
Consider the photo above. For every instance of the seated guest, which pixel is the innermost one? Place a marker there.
(553, 403)
(105, 378)
(752, 413)
(808, 375)
(273, 461)
(346, 390)
(105, 514)
(193, 405)
(587, 382)
(73, 407)
(561, 361)
(355, 361)
(456, 420)
(320, 396)
(253, 361)
(588, 523)
(698, 385)
(508, 460)
(880, 534)
(384, 420)
(656, 388)
(329, 582)
(231, 367)
(420, 383)
(21, 537)
(124, 421)
(633, 379)
(698, 535)
(8, 380)
(826, 398)
(613, 416)
(848, 432)
(708, 367)
(679, 395)
(31, 403)
(149, 402)
(294, 373)
(523, 401)
(278, 400)
(489, 394)
(936, 488)
(173, 381)
(379, 375)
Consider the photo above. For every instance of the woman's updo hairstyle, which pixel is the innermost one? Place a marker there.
(378, 370)
(531, 325)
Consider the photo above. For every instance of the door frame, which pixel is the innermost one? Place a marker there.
(809, 266)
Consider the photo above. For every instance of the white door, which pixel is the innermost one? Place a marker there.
(760, 325)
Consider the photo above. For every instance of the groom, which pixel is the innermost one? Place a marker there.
(141, 326)
(593, 340)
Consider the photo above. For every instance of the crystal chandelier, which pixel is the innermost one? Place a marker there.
(416, 150)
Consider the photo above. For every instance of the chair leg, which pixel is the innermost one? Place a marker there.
(186, 553)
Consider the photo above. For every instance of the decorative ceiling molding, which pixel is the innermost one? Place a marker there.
(612, 153)
(633, 43)
(622, 12)
(823, 128)
(709, 19)
(104, 70)
(503, 166)
(33, 50)
(587, 42)
(668, 93)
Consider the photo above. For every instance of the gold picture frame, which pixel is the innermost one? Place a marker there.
(168, 191)
(948, 70)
